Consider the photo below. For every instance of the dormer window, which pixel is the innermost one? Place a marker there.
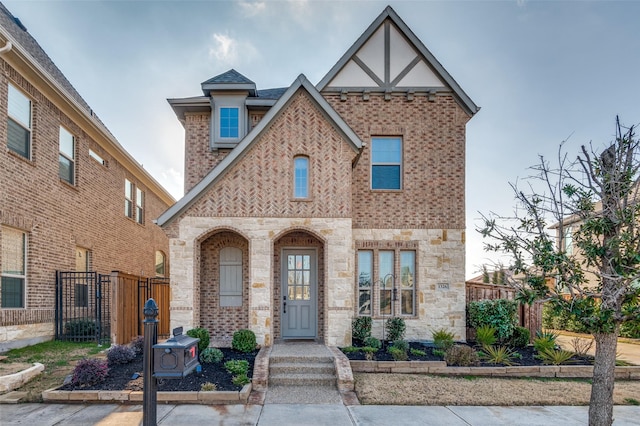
(229, 122)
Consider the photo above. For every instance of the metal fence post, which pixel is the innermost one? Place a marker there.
(150, 394)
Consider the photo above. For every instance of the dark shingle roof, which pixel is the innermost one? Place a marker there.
(230, 77)
(272, 93)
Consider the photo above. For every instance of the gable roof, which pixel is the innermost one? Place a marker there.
(424, 65)
(242, 148)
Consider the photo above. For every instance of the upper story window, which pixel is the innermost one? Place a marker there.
(19, 123)
(139, 206)
(67, 156)
(128, 198)
(301, 177)
(97, 157)
(386, 163)
(229, 123)
(14, 260)
(568, 240)
(160, 264)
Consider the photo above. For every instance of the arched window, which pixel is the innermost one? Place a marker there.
(230, 276)
(160, 264)
(301, 177)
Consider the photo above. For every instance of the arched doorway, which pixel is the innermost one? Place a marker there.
(298, 286)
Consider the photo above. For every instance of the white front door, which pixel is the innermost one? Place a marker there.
(299, 294)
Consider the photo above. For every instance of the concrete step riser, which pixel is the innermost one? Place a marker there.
(302, 369)
(300, 360)
(301, 381)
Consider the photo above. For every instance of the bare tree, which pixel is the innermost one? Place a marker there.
(593, 201)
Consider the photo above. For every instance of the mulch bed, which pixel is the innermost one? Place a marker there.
(528, 356)
(121, 377)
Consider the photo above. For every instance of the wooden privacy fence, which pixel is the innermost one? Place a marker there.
(529, 316)
(129, 294)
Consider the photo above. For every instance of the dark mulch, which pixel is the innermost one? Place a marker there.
(121, 377)
(527, 356)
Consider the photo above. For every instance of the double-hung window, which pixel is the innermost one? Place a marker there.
(139, 206)
(66, 157)
(128, 198)
(19, 123)
(386, 163)
(386, 281)
(568, 240)
(229, 122)
(14, 260)
(301, 177)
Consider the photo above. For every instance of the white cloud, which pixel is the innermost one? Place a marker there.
(252, 8)
(230, 51)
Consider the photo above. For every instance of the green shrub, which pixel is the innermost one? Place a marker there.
(89, 371)
(401, 344)
(461, 356)
(120, 354)
(630, 329)
(350, 349)
(544, 341)
(203, 335)
(439, 353)
(555, 356)
(499, 355)
(442, 339)
(373, 342)
(240, 380)
(244, 341)
(498, 313)
(208, 387)
(81, 329)
(486, 335)
(361, 328)
(395, 328)
(417, 352)
(397, 353)
(211, 355)
(369, 352)
(237, 366)
(520, 337)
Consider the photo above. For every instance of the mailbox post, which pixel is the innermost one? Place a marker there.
(150, 394)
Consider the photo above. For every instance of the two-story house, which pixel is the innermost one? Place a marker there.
(71, 197)
(309, 205)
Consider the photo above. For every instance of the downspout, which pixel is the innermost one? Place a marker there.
(7, 47)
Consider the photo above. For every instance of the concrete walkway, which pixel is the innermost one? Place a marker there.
(626, 350)
(303, 414)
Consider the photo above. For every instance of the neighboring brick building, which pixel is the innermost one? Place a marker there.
(307, 206)
(71, 197)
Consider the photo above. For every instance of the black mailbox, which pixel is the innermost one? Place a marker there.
(175, 358)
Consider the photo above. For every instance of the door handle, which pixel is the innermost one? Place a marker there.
(284, 305)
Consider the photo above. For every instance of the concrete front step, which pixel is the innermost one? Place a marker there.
(306, 379)
(300, 359)
(302, 368)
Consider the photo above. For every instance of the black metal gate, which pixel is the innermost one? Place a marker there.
(83, 307)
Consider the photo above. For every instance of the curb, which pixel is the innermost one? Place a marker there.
(14, 381)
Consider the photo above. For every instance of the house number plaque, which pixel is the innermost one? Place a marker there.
(443, 286)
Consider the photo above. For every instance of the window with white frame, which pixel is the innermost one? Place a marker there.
(386, 163)
(301, 177)
(19, 123)
(139, 206)
(14, 274)
(230, 277)
(128, 198)
(160, 264)
(568, 240)
(386, 281)
(229, 122)
(66, 157)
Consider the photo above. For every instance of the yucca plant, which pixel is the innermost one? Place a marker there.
(498, 355)
(555, 356)
(442, 339)
(544, 341)
(486, 335)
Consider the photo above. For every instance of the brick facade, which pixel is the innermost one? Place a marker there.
(58, 217)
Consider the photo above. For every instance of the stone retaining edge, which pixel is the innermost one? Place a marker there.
(126, 396)
(440, 367)
(14, 381)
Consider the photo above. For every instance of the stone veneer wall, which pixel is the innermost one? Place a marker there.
(440, 260)
(261, 234)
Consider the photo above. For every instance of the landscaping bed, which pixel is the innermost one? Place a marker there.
(129, 376)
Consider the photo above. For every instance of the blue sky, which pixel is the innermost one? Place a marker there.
(542, 71)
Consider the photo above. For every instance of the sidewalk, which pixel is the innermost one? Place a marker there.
(304, 414)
